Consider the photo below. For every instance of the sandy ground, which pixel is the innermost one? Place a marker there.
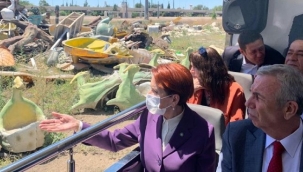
(86, 158)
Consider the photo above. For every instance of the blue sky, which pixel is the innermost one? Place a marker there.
(178, 3)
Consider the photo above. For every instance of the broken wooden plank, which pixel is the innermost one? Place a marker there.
(73, 22)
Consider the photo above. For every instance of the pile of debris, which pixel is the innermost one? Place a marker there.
(126, 54)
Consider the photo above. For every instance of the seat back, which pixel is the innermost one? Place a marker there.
(214, 117)
(245, 80)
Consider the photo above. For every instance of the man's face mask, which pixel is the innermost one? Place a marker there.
(153, 104)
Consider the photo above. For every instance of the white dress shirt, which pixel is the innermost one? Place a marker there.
(168, 128)
(248, 67)
(291, 157)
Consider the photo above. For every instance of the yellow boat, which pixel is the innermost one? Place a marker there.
(91, 50)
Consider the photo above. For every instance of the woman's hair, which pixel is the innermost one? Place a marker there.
(213, 73)
(174, 79)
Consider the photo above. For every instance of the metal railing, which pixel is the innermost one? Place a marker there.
(69, 142)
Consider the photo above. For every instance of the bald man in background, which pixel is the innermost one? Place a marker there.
(294, 56)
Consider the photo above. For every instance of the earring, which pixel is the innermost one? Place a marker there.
(173, 108)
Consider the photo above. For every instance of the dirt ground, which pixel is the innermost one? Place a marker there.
(94, 159)
(86, 158)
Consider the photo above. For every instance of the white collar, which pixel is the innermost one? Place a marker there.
(175, 119)
(244, 62)
(291, 142)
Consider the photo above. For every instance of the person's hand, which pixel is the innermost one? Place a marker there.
(60, 122)
(197, 85)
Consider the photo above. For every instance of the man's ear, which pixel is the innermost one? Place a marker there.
(241, 51)
(291, 109)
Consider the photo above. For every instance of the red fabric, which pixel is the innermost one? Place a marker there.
(275, 164)
(233, 106)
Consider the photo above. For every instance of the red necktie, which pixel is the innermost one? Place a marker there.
(275, 164)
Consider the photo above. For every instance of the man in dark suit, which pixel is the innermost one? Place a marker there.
(272, 137)
(294, 54)
(251, 54)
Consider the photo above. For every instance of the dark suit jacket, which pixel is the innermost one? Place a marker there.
(243, 147)
(191, 148)
(234, 62)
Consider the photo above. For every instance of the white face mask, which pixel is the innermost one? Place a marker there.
(153, 103)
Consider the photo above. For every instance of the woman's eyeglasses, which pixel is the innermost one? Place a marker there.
(202, 51)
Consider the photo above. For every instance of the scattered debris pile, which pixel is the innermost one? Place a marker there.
(126, 54)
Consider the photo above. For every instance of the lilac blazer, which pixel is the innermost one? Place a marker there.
(191, 148)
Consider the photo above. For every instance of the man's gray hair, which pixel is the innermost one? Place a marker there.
(291, 80)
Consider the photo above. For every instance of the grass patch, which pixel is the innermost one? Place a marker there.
(196, 41)
(51, 138)
(49, 97)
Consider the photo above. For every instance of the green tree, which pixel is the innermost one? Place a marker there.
(25, 3)
(43, 3)
(138, 5)
(85, 4)
(97, 13)
(218, 8)
(106, 5)
(214, 15)
(63, 13)
(168, 5)
(154, 6)
(134, 15)
(115, 8)
(200, 7)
